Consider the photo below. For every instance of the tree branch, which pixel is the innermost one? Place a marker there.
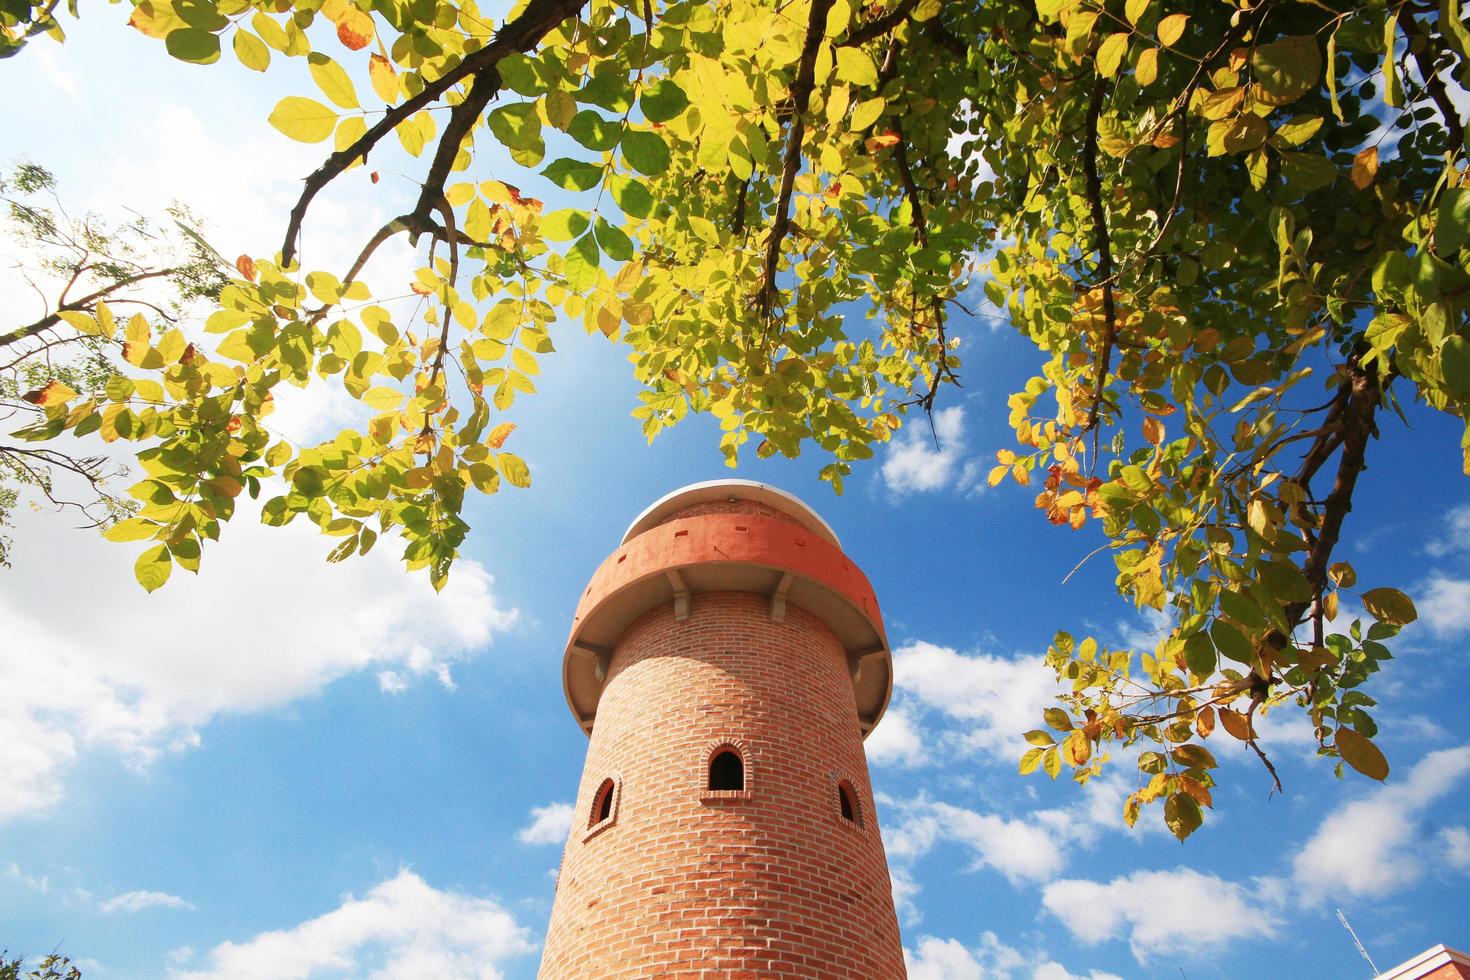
(875, 29)
(1103, 245)
(80, 305)
(522, 34)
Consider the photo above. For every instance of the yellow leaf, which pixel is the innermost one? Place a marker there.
(1171, 29)
(498, 435)
(1147, 69)
(384, 78)
(383, 399)
(997, 474)
(332, 79)
(1110, 54)
(304, 120)
(1360, 753)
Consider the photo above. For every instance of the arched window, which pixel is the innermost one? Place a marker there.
(846, 802)
(726, 770)
(602, 803)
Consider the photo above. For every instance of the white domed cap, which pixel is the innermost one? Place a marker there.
(761, 493)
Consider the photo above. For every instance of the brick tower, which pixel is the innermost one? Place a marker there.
(727, 661)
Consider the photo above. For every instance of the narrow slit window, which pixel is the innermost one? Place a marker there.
(845, 803)
(602, 803)
(727, 770)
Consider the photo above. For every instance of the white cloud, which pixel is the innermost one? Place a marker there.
(1456, 842)
(1456, 533)
(1444, 604)
(1022, 850)
(14, 873)
(897, 741)
(905, 895)
(1371, 846)
(1174, 911)
(950, 959)
(914, 464)
(549, 824)
(402, 928)
(137, 901)
(997, 699)
(90, 660)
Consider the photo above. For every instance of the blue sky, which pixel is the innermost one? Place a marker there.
(286, 768)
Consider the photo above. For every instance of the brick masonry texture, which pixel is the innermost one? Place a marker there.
(766, 882)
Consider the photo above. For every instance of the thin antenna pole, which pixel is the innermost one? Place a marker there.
(1356, 941)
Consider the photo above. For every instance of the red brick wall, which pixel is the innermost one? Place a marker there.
(771, 882)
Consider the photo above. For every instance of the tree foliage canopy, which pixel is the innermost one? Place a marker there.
(1233, 231)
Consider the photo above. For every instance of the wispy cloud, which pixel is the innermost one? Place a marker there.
(1161, 911)
(137, 901)
(403, 928)
(1371, 846)
(138, 674)
(933, 958)
(923, 460)
(549, 824)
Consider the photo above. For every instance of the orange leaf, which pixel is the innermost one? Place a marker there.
(373, 176)
(1153, 430)
(881, 142)
(420, 288)
(1236, 724)
(1365, 167)
(246, 265)
(52, 393)
(499, 434)
(355, 29)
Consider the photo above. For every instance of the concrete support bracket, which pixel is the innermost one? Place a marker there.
(778, 598)
(681, 594)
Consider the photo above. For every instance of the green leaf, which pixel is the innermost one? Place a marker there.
(662, 101)
(574, 175)
(332, 79)
(632, 196)
(514, 469)
(251, 50)
(1390, 606)
(516, 126)
(304, 120)
(592, 131)
(1287, 69)
(1360, 753)
(1232, 643)
(1452, 222)
(1193, 757)
(582, 261)
(1308, 171)
(153, 568)
(1182, 814)
(613, 241)
(1058, 719)
(195, 46)
(1152, 762)
(1454, 364)
(1199, 655)
(646, 152)
(564, 225)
